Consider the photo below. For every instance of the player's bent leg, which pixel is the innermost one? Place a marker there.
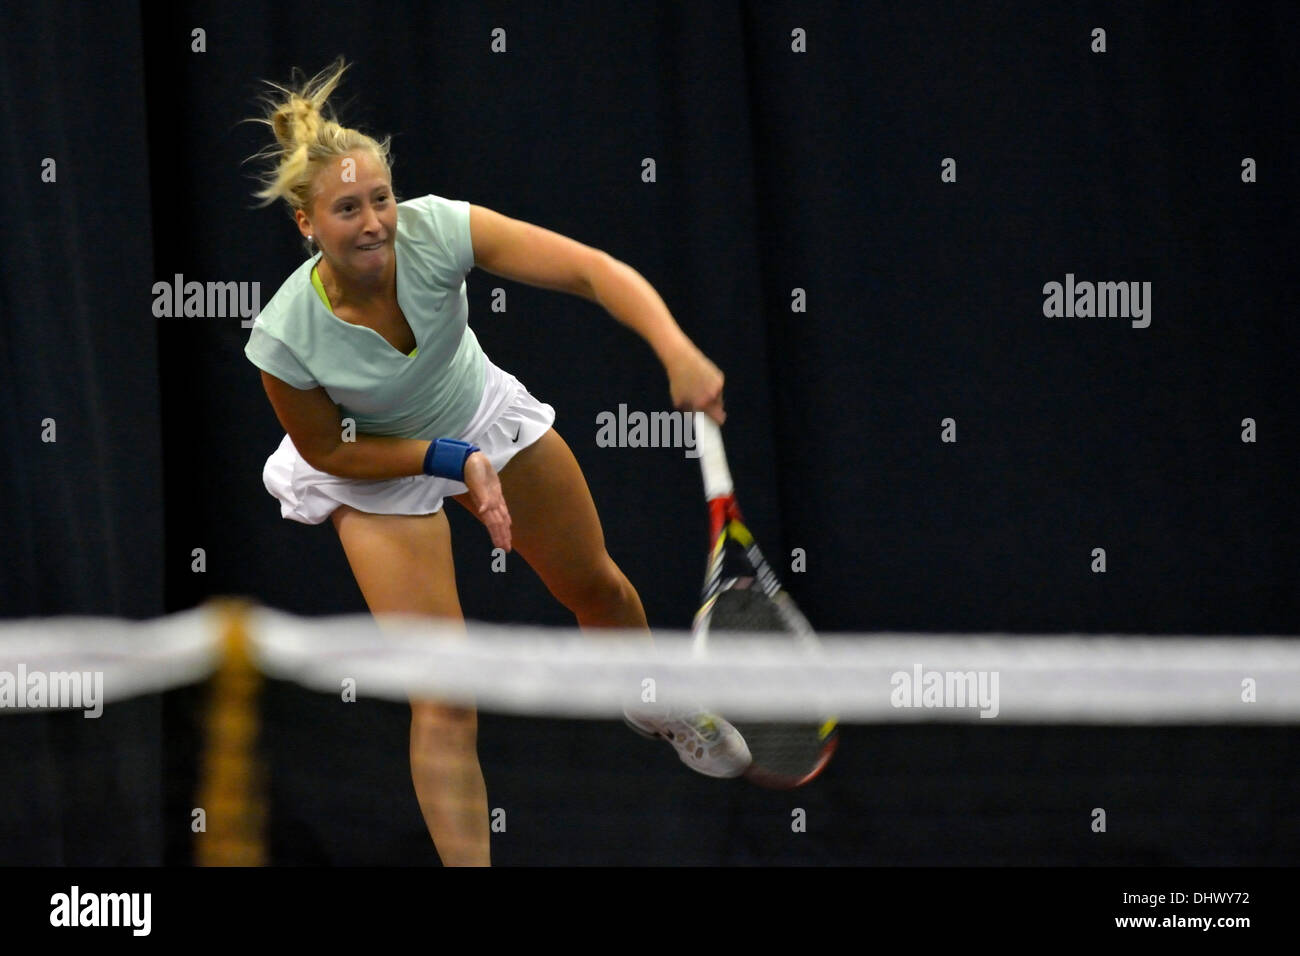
(555, 528)
(403, 563)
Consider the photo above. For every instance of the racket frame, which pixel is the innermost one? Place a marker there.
(727, 523)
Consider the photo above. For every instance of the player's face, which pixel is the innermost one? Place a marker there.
(355, 214)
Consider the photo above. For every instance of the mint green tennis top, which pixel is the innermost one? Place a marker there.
(431, 393)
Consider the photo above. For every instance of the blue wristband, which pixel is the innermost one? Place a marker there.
(446, 458)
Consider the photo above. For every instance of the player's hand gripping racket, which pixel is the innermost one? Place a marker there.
(742, 595)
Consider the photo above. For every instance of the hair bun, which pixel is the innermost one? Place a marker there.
(306, 136)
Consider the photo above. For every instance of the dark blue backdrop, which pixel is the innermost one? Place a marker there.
(777, 171)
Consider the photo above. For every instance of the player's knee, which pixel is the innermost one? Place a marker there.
(603, 593)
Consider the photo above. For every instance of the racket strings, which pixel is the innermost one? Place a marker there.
(784, 753)
(746, 610)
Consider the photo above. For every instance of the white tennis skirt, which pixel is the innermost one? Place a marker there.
(508, 420)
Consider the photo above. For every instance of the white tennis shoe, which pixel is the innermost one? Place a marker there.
(705, 742)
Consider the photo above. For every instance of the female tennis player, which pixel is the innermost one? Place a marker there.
(390, 405)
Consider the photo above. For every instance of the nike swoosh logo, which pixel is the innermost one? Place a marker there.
(517, 431)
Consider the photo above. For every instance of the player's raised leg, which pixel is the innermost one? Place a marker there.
(403, 563)
(555, 529)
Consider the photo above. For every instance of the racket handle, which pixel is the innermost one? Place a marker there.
(713, 460)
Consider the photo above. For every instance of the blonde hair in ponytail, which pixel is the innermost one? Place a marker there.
(308, 138)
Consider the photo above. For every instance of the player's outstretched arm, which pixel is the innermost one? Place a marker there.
(535, 256)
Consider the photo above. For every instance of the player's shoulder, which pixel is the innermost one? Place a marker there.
(431, 214)
(428, 202)
(437, 230)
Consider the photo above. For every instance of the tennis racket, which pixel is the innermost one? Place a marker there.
(742, 595)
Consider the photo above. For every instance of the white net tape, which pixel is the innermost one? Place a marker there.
(867, 678)
(551, 672)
